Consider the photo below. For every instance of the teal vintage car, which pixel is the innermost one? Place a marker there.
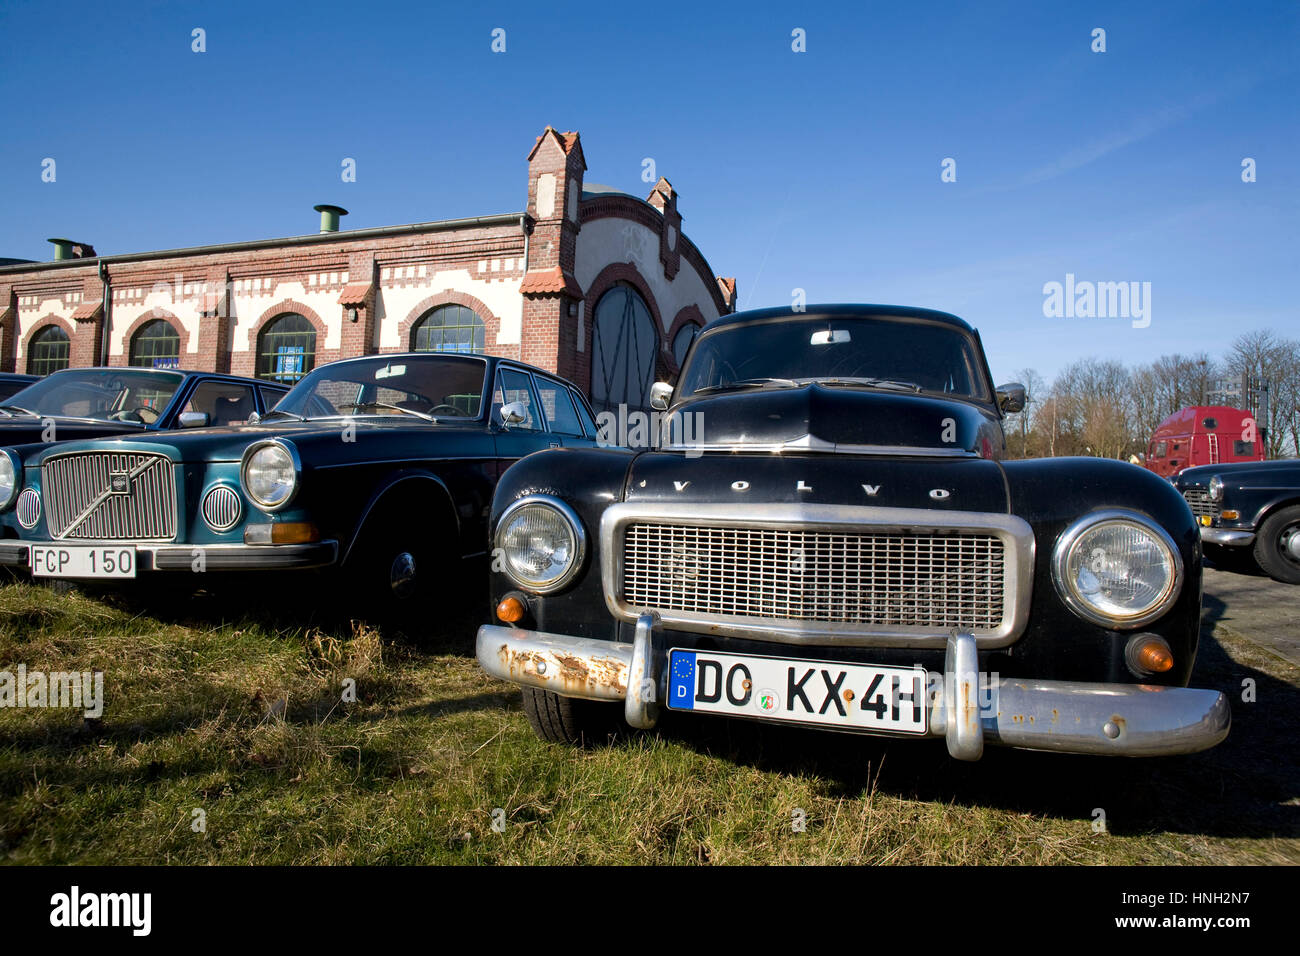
(384, 465)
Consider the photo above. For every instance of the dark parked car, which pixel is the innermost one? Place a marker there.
(384, 465)
(12, 382)
(841, 546)
(1248, 511)
(97, 402)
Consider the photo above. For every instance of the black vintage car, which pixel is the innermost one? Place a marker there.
(382, 465)
(1248, 511)
(839, 545)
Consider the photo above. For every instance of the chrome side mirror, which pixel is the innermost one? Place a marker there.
(513, 413)
(660, 393)
(1011, 397)
(254, 418)
(193, 420)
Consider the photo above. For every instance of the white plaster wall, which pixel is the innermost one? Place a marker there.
(394, 304)
(619, 240)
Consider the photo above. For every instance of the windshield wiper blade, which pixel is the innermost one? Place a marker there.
(747, 383)
(892, 384)
(10, 409)
(278, 411)
(410, 411)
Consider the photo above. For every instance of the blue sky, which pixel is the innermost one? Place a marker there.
(817, 170)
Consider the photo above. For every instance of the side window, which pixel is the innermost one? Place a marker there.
(271, 396)
(558, 408)
(584, 413)
(1243, 448)
(223, 402)
(515, 386)
(1162, 449)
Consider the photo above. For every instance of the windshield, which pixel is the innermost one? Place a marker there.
(851, 351)
(134, 396)
(414, 386)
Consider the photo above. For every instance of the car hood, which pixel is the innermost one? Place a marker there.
(318, 442)
(757, 479)
(1256, 473)
(831, 418)
(25, 430)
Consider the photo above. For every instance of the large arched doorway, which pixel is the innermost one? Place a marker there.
(624, 343)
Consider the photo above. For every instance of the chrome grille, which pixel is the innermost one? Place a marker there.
(81, 499)
(875, 579)
(221, 508)
(1199, 501)
(28, 508)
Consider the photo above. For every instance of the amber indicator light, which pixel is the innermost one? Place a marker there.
(1155, 656)
(511, 610)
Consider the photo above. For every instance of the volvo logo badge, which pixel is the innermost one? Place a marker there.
(119, 483)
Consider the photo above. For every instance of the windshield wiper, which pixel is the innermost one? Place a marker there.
(892, 384)
(10, 409)
(747, 383)
(397, 408)
(280, 411)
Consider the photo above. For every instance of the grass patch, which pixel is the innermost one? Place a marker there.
(244, 718)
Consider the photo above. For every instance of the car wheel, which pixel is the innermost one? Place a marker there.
(1277, 545)
(404, 571)
(572, 720)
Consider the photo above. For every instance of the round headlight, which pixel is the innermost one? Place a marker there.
(1117, 569)
(541, 543)
(270, 474)
(1215, 488)
(9, 471)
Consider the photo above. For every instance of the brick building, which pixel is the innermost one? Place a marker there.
(595, 284)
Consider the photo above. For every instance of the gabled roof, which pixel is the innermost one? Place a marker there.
(568, 140)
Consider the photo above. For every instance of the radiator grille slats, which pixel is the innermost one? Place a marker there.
(1199, 501)
(81, 502)
(874, 579)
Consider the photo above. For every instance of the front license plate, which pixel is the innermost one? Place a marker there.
(80, 561)
(806, 692)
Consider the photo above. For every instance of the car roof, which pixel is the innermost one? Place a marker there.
(840, 310)
(491, 360)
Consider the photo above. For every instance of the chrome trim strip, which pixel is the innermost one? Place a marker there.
(815, 445)
(1018, 567)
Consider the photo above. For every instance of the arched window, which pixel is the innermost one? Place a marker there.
(286, 348)
(448, 328)
(156, 345)
(682, 341)
(624, 343)
(48, 351)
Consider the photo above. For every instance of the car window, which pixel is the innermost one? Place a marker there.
(584, 413)
(558, 408)
(1162, 449)
(270, 396)
(515, 386)
(225, 403)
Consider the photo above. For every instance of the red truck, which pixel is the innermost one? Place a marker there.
(1203, 435)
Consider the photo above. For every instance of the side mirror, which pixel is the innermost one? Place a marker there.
(193, 420)
(660, 393)
(513, 413)
(1011, 397)
(254, 418)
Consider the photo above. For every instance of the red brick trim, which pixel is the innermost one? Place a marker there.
(48, 319)
(157, 312)
(491, 324)
(609, 206)
(614, 274)
(690, 315)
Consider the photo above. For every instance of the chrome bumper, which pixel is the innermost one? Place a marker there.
(1133, 720)
(1234, 539)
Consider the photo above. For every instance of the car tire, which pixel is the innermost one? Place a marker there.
(1274, 545)
(572, 720)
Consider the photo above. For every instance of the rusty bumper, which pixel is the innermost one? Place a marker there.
(968, 709)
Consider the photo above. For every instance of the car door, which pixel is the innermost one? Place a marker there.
(523, 438)
(557, 407)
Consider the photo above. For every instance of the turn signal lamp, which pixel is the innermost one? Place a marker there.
(1206, 520)
(1149, 654)
(511, 610)
(1229, 515)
